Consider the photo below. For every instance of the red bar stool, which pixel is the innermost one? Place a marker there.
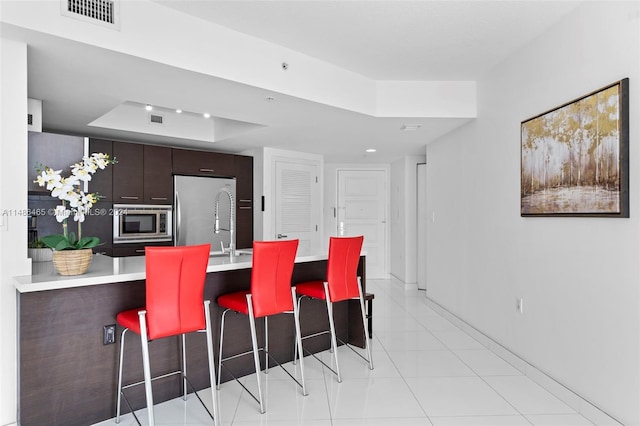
(270, 294)
(175, 305)
(342, 283)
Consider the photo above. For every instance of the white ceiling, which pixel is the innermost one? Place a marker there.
(393, 39)
(381, 40)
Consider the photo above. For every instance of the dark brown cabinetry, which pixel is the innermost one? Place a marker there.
(128, 173)
(199, 163)
(121, 250)
(142, 174)
(53, 150)
(157, 177)
(244, 205)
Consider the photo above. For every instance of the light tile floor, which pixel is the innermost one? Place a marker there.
(427, 372)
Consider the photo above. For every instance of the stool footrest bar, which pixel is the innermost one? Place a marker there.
(354, 351)
(173, 373)
(320, 361)
(240, 383)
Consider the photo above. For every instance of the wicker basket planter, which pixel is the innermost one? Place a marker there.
(72, 262)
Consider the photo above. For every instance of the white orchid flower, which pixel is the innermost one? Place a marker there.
(73, 198)
(79, 214)
(88, 200)
(82, 174)
(69, 189)
(49, 177)
(62, 213)
(63, 188)
(73, 180)
(41, 180)
(100, 160)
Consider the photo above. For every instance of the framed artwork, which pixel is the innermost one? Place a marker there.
(575, 158)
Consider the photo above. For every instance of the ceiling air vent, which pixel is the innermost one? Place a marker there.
(155, 118)
(103, 12)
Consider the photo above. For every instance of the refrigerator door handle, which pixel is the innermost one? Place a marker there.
(178, 219)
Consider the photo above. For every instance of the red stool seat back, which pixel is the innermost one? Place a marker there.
(174, 289)
(342, 267)
(271, 273)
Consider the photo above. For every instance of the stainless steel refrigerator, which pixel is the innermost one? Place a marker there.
(194, 215)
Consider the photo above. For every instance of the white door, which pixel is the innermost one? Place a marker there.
(362, 210)
(297, 205)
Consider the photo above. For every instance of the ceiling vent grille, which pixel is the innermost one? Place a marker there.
(155, 118)
(103, 12)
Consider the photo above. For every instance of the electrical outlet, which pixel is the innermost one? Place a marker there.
(109, 334)
(520, 304)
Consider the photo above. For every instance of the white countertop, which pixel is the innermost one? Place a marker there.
(105, 269)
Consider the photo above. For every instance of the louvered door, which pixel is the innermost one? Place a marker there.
(297, 205)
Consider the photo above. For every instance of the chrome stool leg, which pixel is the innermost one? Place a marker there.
(256, 358)
(224, 314)
(146, 366)
(121, 357)
(364, 327)
(334, 342)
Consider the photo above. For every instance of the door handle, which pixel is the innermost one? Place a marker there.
(281, 236)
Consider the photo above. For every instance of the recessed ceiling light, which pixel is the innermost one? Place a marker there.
(148, 107)
(178, 111)
(206, 115)
(410, 127)
(370, 150)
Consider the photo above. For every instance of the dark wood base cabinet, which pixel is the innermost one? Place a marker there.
(68, 377)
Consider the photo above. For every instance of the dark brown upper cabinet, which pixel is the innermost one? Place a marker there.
(244, 205)
(128, 173)
(157, 179)
(203, 163)
(142, 174)
(53, 150)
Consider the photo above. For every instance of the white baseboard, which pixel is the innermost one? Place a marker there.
(560, 391)
(407, 286)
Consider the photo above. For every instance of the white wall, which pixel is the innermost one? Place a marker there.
(403, 207)
(579, 277)
(13, 203)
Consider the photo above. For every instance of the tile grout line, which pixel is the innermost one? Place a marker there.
(491, 345)
(476, 374)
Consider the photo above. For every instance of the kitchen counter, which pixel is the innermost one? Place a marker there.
(105, 269)
(67, 376)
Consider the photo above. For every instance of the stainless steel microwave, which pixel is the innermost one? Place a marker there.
(141, 223)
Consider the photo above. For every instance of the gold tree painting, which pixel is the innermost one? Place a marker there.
(575, 157)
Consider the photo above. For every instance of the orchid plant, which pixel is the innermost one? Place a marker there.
(74, 200)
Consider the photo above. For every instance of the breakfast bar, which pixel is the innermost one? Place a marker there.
(67, 375)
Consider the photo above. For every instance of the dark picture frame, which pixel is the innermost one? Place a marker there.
(575, 158)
